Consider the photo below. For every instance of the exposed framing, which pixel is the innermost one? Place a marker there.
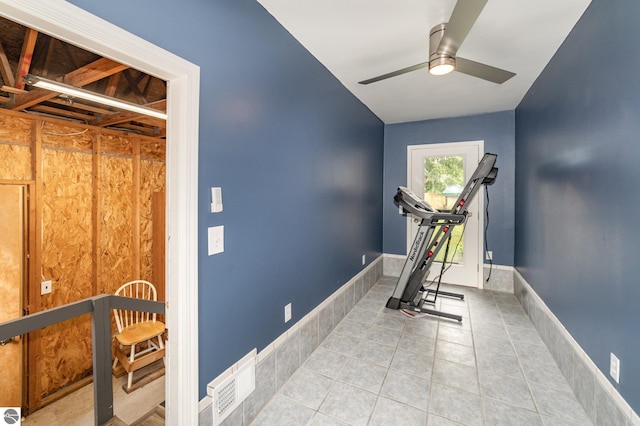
(67, 22)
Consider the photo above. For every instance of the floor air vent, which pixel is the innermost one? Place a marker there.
(231, 388)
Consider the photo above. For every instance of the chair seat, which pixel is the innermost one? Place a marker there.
(140, 332)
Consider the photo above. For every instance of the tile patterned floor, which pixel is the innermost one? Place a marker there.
(380, 367)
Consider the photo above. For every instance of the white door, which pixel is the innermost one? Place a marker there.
(439, 172)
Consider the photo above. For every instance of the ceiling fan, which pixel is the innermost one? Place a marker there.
(445, 40)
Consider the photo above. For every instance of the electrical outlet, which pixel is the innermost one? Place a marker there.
(216, 239)
(489, 255)
(45, 287)
(364, 259)
(287, 313)
(614, 368)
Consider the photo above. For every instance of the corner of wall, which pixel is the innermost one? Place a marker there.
(498, 278)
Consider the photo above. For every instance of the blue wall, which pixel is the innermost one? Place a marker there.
(577, 163)
(497, 131)
(299, 160)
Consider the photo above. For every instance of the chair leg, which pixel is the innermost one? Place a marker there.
(115, 361)
(131, 358)
(161, 344)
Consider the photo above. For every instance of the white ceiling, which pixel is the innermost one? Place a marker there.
(360, 39)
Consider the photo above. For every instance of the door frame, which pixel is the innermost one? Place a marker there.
(74, 25)
(479, 144)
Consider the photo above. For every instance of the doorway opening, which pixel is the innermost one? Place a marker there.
(73, 25)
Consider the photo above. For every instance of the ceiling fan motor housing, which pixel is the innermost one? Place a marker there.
(439, 60)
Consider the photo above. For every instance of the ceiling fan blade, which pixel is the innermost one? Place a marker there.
(395, 73)
(462, 18)
(483, 71)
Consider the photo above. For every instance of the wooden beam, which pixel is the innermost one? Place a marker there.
(135, 210)
(35, 256)
(29, 288)
(5, 68)
(82, 76)
(152, 121)
(62, 112)
(80, 105)
(48, 58)
(158, 249)
(13, 90)
(67, 51)
(141, 130)
(16, 182)
(96, 70)
(133, 85)
(24, 64)
(112, 84)
(147, 86)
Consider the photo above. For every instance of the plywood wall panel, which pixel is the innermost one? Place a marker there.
(66, 136)
(116, 145)
(66, 225)
(66, 261)
(153, 173)
(15, 130)
(65, 355)
(15, 162)
(153, 149)
(115, 222)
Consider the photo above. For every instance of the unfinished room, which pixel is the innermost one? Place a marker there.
(82, 190)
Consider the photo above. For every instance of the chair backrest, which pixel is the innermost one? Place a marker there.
(137, 289)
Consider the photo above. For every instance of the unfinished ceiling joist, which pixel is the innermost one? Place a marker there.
(26, 51)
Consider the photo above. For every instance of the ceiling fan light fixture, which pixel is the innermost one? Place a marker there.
(440, 62)
(442, 65)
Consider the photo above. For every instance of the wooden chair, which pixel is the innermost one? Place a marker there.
(135, 328)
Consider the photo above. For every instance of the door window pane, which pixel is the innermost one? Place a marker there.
(443, 183)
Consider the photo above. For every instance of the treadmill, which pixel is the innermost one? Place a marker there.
(434, 232)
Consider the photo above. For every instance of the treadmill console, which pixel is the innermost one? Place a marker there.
(411, 203)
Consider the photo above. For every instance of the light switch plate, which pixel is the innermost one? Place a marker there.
(287, 313)
(614, 368)
(216, 240)
(216, 200)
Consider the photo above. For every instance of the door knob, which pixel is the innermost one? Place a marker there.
(9, 340)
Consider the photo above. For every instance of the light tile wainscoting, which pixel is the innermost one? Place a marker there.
(500, 278)
(601, 400)
(330, 351)
(277, 362)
